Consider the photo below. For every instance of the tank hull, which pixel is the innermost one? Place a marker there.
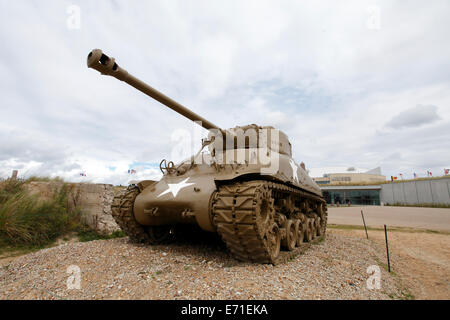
(187, 198)
(177, 200)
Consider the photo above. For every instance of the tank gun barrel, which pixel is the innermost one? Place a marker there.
(107, 66)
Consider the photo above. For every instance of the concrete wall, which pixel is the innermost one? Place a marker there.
(416, 192)
(93, 199)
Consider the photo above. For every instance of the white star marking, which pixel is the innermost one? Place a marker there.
(176, 187)
(294, 170)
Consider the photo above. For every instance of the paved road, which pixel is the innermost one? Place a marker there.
(377, 216)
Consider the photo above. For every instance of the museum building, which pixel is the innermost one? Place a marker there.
(333, 182)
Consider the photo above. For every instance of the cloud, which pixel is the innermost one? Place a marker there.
(414, 117)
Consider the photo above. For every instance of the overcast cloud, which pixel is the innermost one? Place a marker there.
(348, 92)
(414, 117)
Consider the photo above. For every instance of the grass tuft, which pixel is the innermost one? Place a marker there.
(27, 220)
(420, 205)
(43, 179)
(390, 229)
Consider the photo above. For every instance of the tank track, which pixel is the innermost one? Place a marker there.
(246, 228)
(122, 212)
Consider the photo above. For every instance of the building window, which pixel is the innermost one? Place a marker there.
(358, 197)
(346, 179)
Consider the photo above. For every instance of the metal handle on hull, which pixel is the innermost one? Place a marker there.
(107, 66)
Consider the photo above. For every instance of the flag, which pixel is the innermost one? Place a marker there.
(446, 171)
(393, 178)
(429, 174)
(83, 174)
(415, 175)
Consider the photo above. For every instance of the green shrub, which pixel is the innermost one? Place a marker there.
(87, 234)
(44, 179)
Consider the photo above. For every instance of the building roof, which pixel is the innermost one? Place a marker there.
(319, 172)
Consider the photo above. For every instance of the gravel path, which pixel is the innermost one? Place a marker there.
(117, 269)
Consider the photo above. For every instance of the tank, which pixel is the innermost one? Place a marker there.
(242, 184)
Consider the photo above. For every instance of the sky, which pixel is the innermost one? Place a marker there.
(352, 83)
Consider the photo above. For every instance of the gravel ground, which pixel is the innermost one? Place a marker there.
(117, 269)
(421, 260)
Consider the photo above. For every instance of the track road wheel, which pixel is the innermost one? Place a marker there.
(323, 218)
(324, 225)
(290, 241)
(318, 224)
(300, 231)
(309, 230)
(273, 238)
(160, 234)
(314, 227)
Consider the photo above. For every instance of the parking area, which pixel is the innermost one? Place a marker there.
(376, 216)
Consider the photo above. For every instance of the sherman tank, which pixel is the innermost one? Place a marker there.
(243, 184)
